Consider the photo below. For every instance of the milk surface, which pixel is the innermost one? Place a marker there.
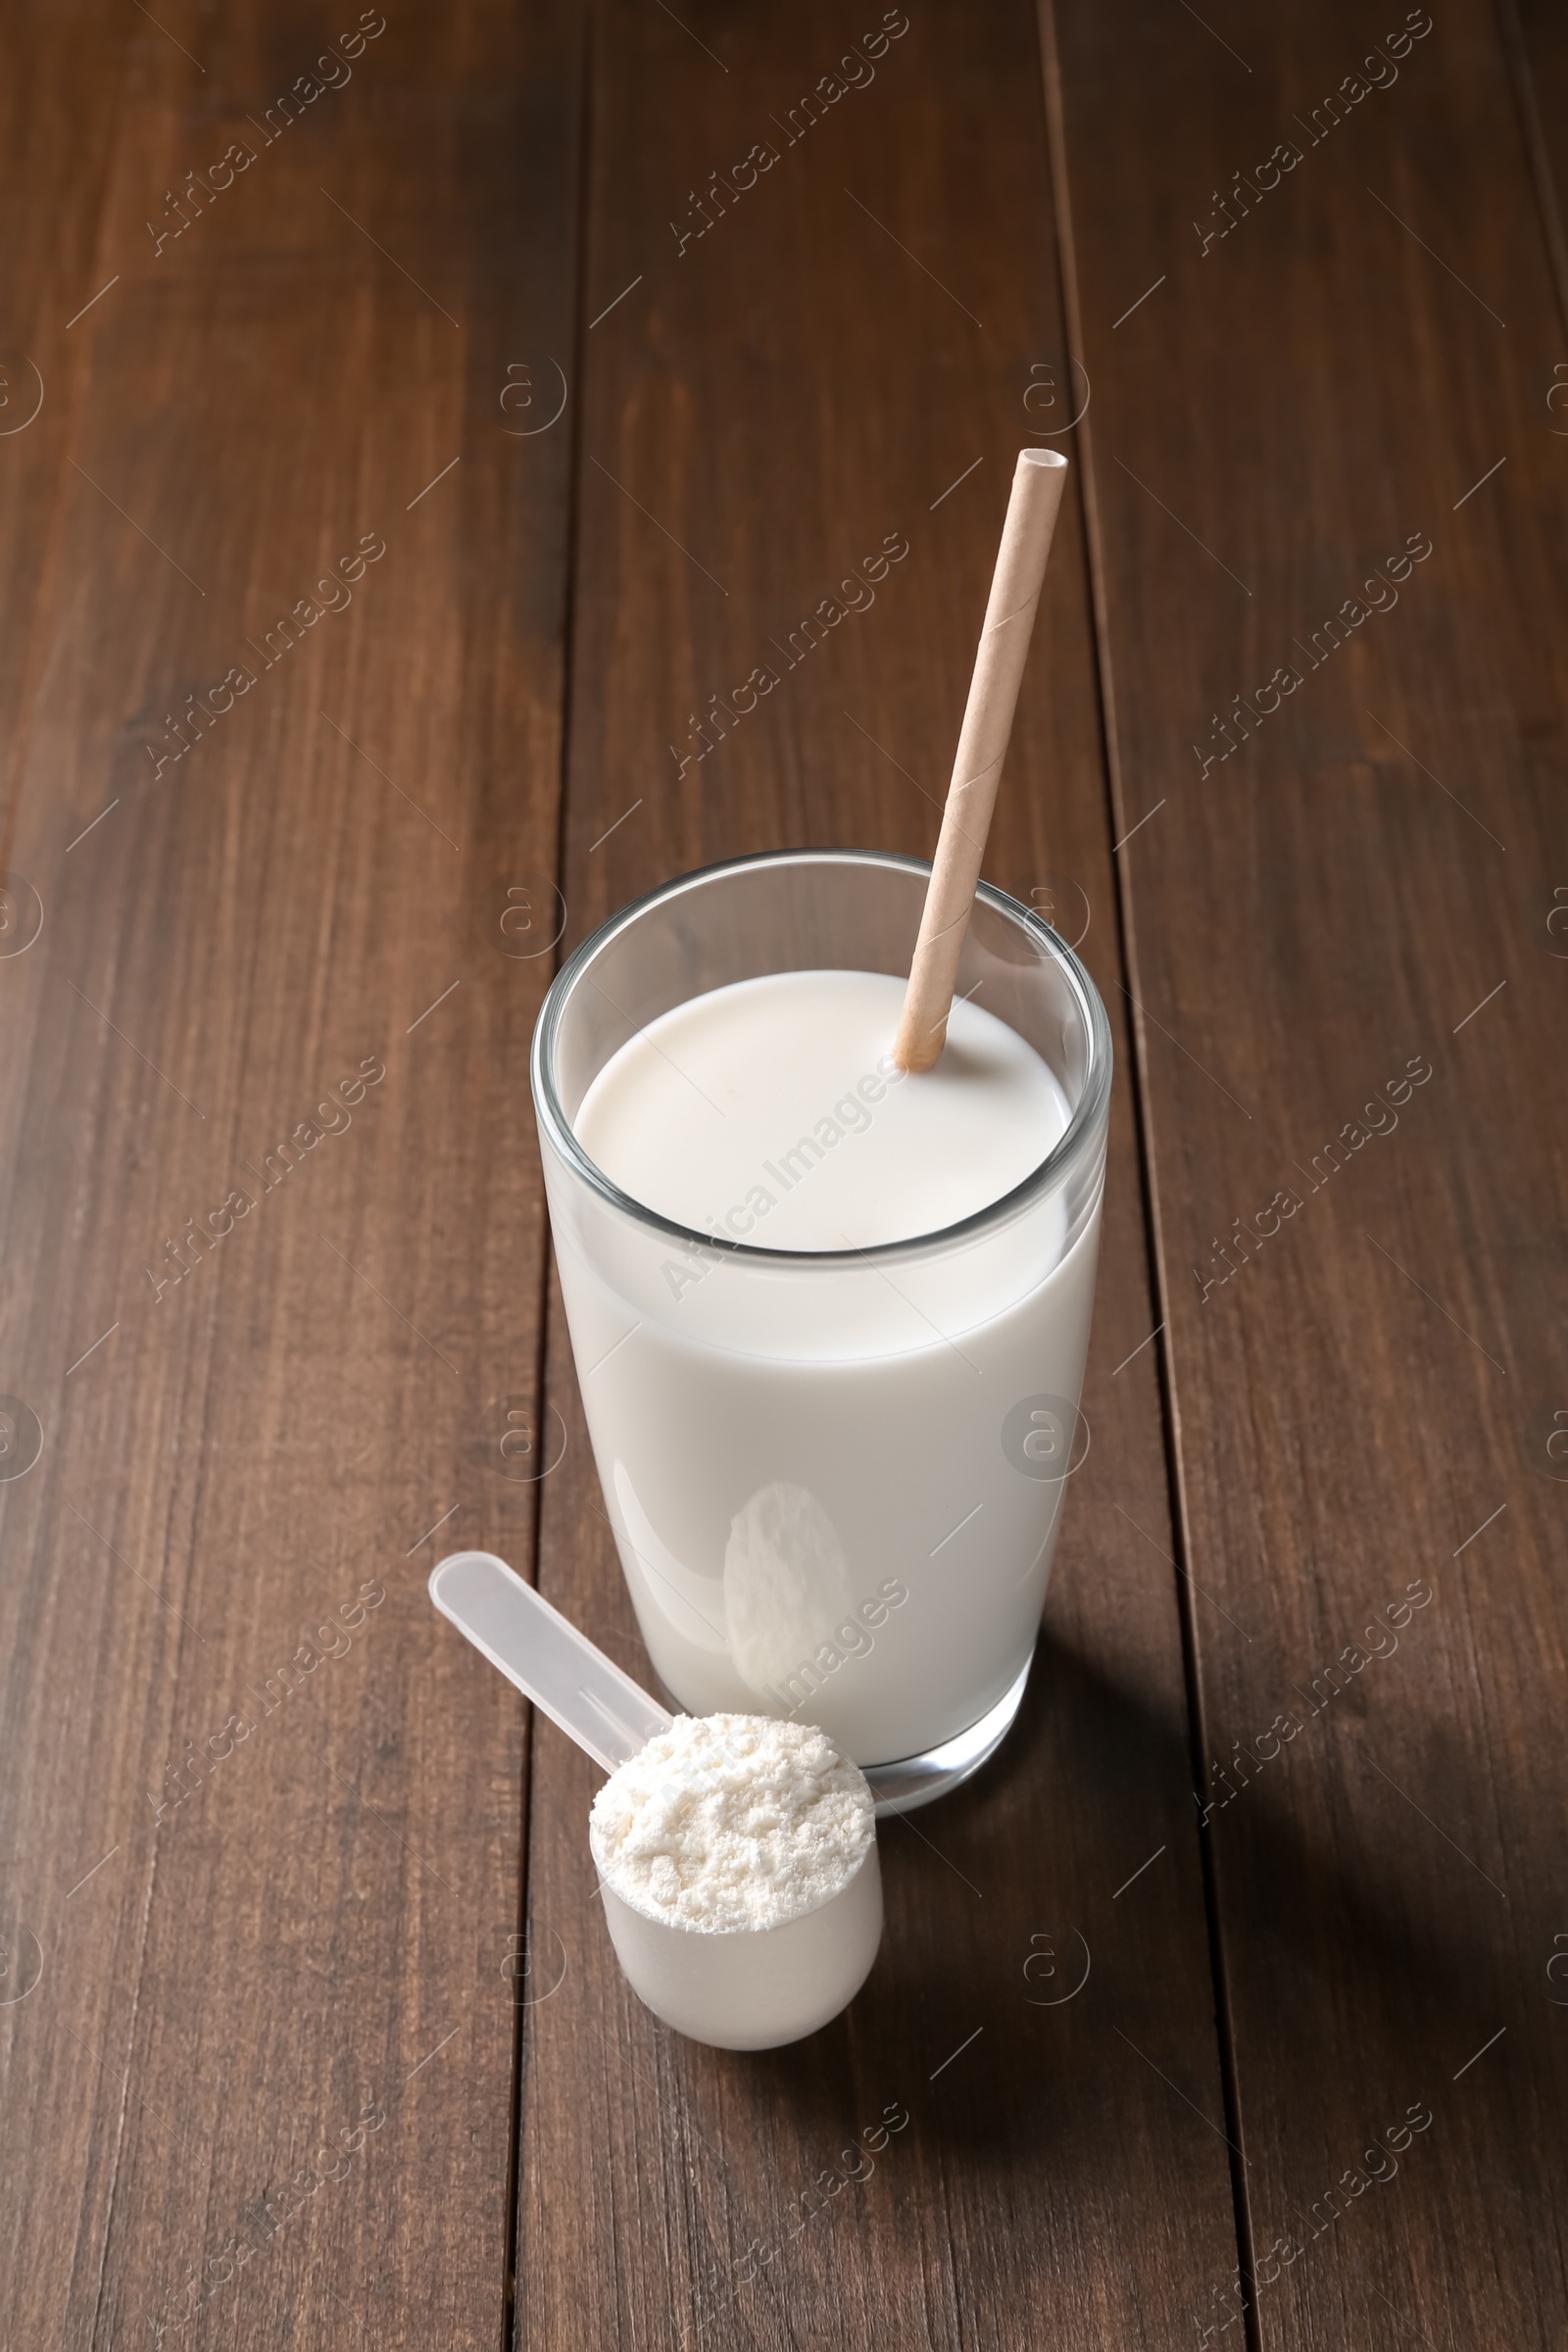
(773, 1112)
(813, 1470)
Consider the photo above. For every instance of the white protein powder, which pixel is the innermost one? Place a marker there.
(732, 1821)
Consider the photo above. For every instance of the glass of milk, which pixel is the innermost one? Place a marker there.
(829, 1320)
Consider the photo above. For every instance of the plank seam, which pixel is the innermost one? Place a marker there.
(510, 2327)
(1056, 149)
(1522, 80)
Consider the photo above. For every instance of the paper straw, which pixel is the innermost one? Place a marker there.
(1037, 486)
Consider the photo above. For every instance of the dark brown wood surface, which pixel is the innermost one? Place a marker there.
(309, 2027)
(244, 929)
(1368, 1400)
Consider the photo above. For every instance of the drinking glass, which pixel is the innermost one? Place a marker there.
(835, 1478)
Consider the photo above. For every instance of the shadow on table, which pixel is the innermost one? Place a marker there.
(975, 2017)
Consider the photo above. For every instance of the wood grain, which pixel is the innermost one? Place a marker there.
(1536, 42)
(769, 402)
(1364, 1398)
(322, 1913)
(55, 143)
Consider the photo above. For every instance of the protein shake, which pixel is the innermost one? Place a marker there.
(833, 1436)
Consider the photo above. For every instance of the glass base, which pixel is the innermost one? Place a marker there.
(916, 1781)
(905, 1786)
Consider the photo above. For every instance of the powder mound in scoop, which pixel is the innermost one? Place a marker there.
(732, 1821)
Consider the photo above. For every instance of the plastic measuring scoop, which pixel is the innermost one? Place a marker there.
(567, 1677)
(738, 1988)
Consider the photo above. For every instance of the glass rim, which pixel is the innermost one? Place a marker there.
(1068, 1146)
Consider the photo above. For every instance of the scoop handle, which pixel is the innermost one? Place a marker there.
(551, 1663)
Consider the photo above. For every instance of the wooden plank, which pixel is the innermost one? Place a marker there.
(1536, 41)
(1364, 880)
(764, 404)
(265, 1904)
(57, 118)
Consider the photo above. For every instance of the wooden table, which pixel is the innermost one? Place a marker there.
(408, 446)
